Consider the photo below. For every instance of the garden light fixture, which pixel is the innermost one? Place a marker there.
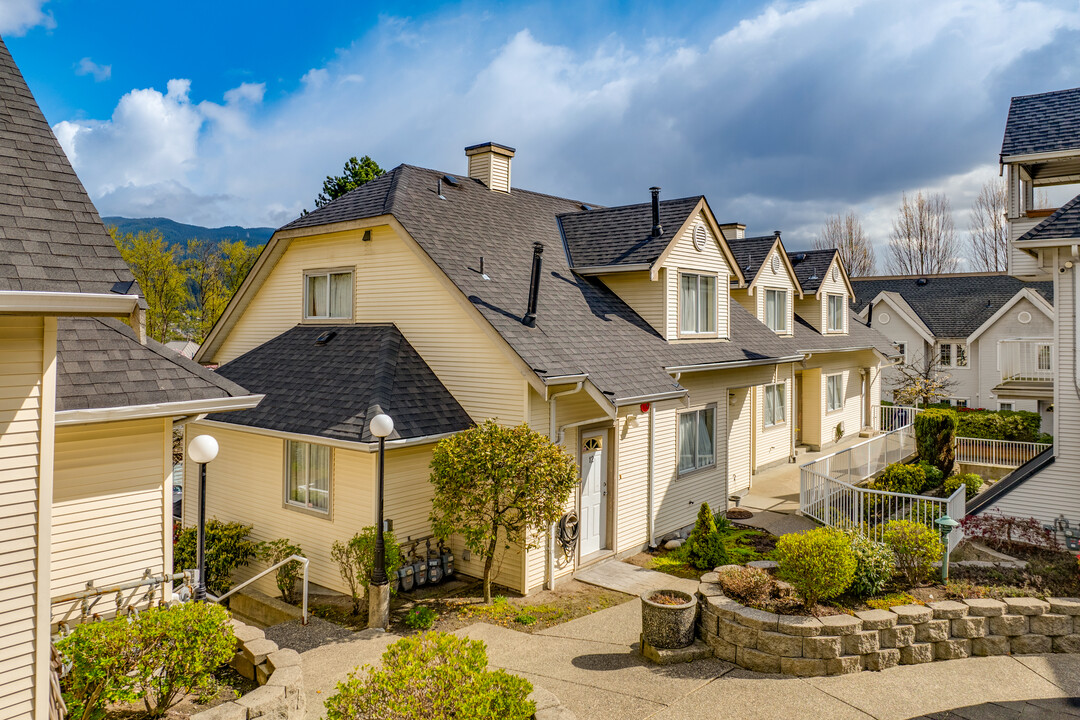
(202, 449)
(945, 525)
(379, 597)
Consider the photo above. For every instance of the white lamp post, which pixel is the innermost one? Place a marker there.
(379, 596)
(202, 449)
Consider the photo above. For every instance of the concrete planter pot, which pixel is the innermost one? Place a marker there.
(668, 627)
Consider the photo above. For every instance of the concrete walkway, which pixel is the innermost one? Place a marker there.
(633, 580)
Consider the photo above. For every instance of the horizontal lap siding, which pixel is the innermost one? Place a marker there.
(1008, 326)
(768, 280)
(774, 442)
(632, 473)
(850, 415)
(21, 384)
(710, 259)
(644, 295)
(820, 318)
(109, 507)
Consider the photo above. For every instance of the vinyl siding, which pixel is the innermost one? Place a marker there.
(632, 474)
(492, 169)
(709, 260)
(1008, 326)
(850, 415)
(740, 422)
(112, 507)
(811, 404)
(645, 296)
(768, 280)
(898, 330)
(814, 308)
(391, 284)
(773, 443)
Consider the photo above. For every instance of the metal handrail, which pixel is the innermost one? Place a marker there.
(153, 581)
(297, 558)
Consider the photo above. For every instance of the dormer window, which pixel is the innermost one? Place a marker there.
(697, 304)
(328, 295)
(836, 313)
(776, 310)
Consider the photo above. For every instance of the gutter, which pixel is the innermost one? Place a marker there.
(17, 302)
(330, 442)
(607, 269)
(168, 409)
(655, 397)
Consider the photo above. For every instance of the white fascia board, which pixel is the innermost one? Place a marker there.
(330, 442)
(168, 409)
(655, 397)
(1035, 298)
(610, 269)
(732, 365)
(897, 303)
(1039, 157)
(18, 302)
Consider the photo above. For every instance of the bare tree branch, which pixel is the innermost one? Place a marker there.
(989, 231)
(923, 240)
(846, 234)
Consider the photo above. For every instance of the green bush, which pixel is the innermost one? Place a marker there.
(227, 548)
(915, 546)
(102, 657)
(421, 617)
(820, 564)
(972, 481)
(433, 676)
(901, 478)
(934, 477)
(704, 549)
(935, 433)
(1018, 425)
(287, 575)
(356, 558)
(874, 564)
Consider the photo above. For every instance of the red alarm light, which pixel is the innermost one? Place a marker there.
(645, 407)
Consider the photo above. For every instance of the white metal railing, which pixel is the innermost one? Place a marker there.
(1026, 359)
(998, 453)
(887, 418)
(297, 558)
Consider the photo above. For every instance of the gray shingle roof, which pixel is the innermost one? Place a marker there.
(622, 235)
(101, 364)
(51, 238)
(951, 306)
(1064, 224)
(1046, 122)
(751, 252)
(332, 390)
(811, 268)
(808, 339)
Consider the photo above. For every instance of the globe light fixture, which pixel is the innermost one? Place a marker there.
(202, 449)
(379, 595)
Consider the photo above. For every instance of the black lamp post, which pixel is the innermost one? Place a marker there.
(379, 603)
(202, 450)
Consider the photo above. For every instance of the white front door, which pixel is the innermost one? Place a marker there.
(593, 492)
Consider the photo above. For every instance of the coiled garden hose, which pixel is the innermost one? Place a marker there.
(568, 533)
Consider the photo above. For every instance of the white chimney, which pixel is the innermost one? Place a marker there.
(490, 164)
(733, 231)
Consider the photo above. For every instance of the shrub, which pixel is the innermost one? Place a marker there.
(227, 548)
(971, 480)
(287, 575)
(431, 676)
(704, 549)
(1019, 425)
(874, 565)
(749, 586)
(102, 656)
(915, 546)
(820, 563)
(356, 558)
(1005, 532)
(901, 478)
(421, 617)
(934, 477)
(935, 433)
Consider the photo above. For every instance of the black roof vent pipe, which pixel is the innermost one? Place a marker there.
(657, 229)
(870, 314)
(534, 286)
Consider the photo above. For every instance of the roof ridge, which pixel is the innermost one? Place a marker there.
(605, 208)
(1045, 94)
(514, 188)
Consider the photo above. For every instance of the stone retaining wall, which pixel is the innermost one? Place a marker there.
(880, 639)
(280, 695)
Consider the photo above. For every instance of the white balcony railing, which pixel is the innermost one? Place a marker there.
(1026, 359)
(999, 453)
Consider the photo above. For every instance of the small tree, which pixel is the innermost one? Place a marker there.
(287, 575)
(705, 548)
(935, 436)
(497, 483)
(923, 380)
(356, 558)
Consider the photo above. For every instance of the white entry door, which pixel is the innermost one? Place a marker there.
(740, 420)
(593, 492)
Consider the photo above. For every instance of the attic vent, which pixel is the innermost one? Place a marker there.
(325, 337)
(775, 264)
(921, 281)
(699, 238)
(799, 257)
(450, 180)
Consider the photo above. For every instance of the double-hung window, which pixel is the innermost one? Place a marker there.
(836, 313)
(776, 310)
(697, 439)
(945, 355)
(697, 299)
(774, 400)
(1045, 353)
(328, 295)
(307, 476)
(902, 349)
(961, 355)
(953, 355)
(835, 391)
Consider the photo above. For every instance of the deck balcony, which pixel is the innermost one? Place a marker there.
(1026, 368)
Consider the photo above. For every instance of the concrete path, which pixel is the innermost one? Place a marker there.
(777, 523)
(633, 580)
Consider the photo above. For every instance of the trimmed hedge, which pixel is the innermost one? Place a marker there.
(935, 433)
(901, 478)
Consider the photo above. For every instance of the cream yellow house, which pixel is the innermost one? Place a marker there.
(87, 406)
(620, 332)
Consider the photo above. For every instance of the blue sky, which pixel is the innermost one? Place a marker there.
(781, 113)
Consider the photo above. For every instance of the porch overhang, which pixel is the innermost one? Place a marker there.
(1026, 389)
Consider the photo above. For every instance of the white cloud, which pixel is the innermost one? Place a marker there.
(18, 16)
(86, 66)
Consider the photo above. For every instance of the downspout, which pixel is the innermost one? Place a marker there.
(553, 435)
(794, 417)
(1076, 322)
(650, 474)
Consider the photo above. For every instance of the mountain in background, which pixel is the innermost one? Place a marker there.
(178, 233)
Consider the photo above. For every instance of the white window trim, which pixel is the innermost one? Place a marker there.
(678, 439)
(328, 513)
(831, 411)
(954, 400)
(903, 351)
(328, 272)
(952, 355)
(715, 332)
(783, 394)
(843, 314)
(786, 330)
(1010, 403)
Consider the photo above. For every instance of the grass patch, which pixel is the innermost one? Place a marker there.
(502, 612)
(888, 600)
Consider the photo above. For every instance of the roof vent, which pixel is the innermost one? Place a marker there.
(657, 228)
(585, 207)
(438, 191)
(921, 281)
(776, 233)
(534, 286)
(450, 180)
(483, 275)
(799, 257)
(325, 337)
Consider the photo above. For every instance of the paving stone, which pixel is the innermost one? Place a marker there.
(767, 565)
(1031, 644)
(825, 647)
(1009, 625)
(710, 589)
(758, 661)
(843, 665)
(779, 644)
(912, 614)
(757, 619)
(916, 654)
(955, 649)
(286, 657)
(861, 643)
(262, 700)
(722, 648)
(724, 607)
(257, 650)
(803, 667)
(242, 665)
(948, 609)
(291, 678)
(1051, 624)
(783, 589)
(876, 619)
(840, 625)
(1065, 606)
(738, 634)
(224, 711)
(985, 607)
(710, 578)
(990, 645)
(932, 631)
(799, 625)
(968, 627)
(1067, 644)
(897, 637)
(882, 659)
(1027, 606)
(262, 673)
